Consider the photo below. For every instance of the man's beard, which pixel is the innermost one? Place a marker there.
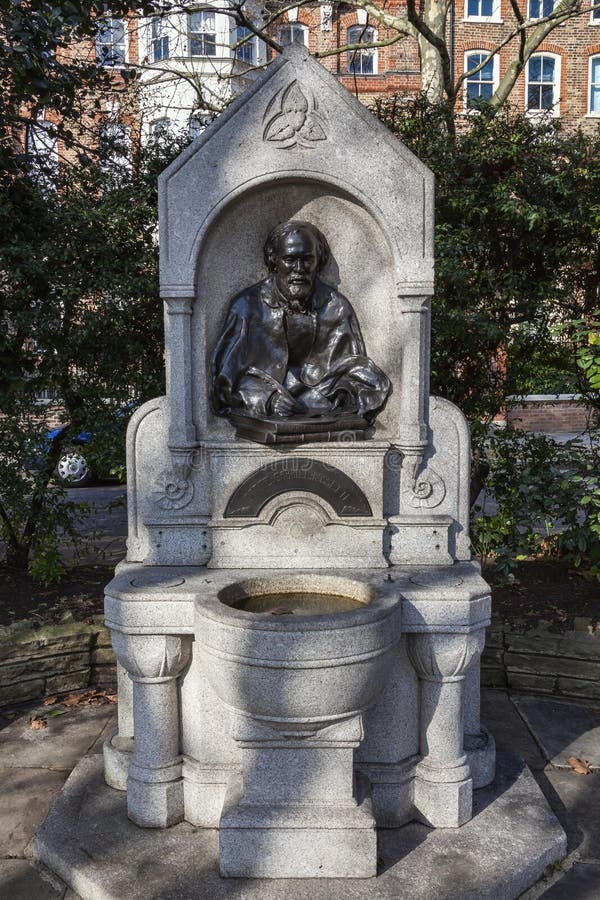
(297, 295)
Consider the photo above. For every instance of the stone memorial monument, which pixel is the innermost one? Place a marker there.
(299, 621)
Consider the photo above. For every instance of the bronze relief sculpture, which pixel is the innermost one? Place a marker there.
(291, 364)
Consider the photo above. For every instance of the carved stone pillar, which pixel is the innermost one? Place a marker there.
(118, 747)
(182, 432)
(414, 398)
(154, 783)
(479, 743)
(443, 785)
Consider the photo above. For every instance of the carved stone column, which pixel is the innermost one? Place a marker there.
(443, 785)
(154, 783)
(182, 432)
(412, 440)
(118, 747)
(479, 743)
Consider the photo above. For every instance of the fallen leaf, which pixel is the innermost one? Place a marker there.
(58, 712)
(50, 701)
(548, 871)
(579, 766)
(71, 700)
(37, 723)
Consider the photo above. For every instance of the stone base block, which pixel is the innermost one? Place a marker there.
(443, 804)
(204, 791)
(481, 756)
(155, 805)
(296, 842)
(117, 756)
(91, 844)
(392, 792)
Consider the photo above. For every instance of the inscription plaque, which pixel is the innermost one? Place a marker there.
(298, 474)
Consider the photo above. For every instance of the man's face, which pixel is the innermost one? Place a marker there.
(297, 260)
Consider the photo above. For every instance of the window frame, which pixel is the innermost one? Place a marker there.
(495, 76)
(594, 114)
(292, 26)
(251, 44)
(361, 54)
(554, 110)
(42, 152)
(595, 16)
(119, 161)
(157, 36)
(201, 36)
(117, 64)
(543, 15)
(496, 15)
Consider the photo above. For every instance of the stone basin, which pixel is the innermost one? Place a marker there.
(293, 669)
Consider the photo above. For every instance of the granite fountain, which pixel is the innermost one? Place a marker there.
(298, 622)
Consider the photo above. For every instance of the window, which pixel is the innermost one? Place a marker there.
(480, 86)
(362, 62)
(159, 42)
(114, 148)
(293, 34)
(203, 33)
(110, 42)
(594, 107)
(485, 10)
(41, 148)
(248, 51)
(480, 9)
(595, 14)
(539, 9)
(543, 83)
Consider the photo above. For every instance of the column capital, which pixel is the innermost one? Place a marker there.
(179, 306)
(151, 657)
(444, 656)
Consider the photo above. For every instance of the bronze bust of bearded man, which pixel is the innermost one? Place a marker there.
(291, 363)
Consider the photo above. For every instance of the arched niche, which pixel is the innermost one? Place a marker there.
(230, 258)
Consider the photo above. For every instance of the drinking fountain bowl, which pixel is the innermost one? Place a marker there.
(298, 651)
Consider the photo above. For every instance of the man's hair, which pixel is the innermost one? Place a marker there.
(280, 231)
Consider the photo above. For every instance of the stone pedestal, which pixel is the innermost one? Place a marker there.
(295, 812)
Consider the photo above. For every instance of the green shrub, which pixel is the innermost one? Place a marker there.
(541, 497)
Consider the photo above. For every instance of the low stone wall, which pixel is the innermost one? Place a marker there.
(54, 659)
(37, 662)
(540, 660)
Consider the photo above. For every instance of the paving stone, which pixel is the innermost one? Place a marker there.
(563, 728)
(88, 839)
(110, 727)
(508, 728)
(60, 745)
(581, 882)
(27, 795)
(576, 801)
(20, 880)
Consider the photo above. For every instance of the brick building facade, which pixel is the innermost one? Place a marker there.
(191, 62)
(563, 76)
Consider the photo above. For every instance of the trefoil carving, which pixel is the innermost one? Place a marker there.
(292, 119)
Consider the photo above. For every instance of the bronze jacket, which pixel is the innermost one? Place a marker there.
(252, 356)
